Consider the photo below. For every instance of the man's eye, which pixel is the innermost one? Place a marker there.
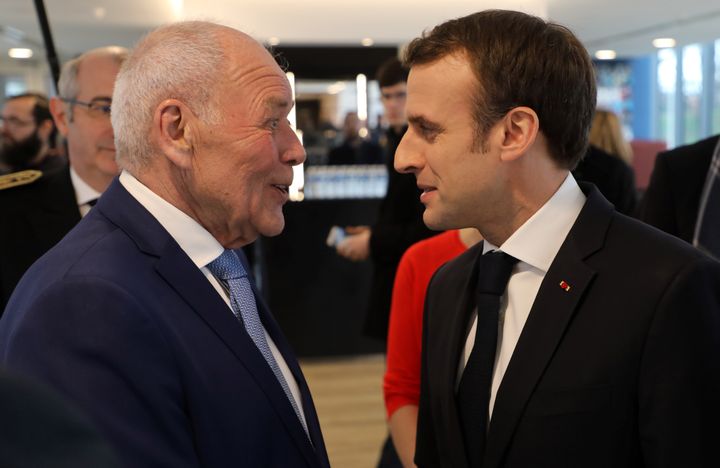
(427, 132)
(274, 124)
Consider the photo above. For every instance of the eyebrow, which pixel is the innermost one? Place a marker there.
(419, 120)
(278, 102)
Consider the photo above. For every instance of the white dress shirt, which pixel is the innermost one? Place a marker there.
(535, 244)
(84, 194)
(202, 248)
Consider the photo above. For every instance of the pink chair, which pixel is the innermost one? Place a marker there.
(644, 154)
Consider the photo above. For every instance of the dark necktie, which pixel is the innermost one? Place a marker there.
(473, 396)
(707, 230)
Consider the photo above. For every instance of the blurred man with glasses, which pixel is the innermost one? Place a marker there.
(26, 134)
(38, 210)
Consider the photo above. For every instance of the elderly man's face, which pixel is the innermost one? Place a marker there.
(243, 166)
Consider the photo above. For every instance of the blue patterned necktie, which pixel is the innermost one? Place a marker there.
(229, 270)
(707, 229)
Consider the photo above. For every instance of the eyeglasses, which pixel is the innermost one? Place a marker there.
(14, 122)
(96, 107)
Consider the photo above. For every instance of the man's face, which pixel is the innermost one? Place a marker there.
(243, 166)
(461, 185)
(393, 99)
(89, 134)
(21, 141)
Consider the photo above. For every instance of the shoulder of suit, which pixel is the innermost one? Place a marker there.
(20, 178)
(702, 149)
(459, 267)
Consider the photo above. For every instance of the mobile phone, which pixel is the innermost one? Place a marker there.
(335, 236)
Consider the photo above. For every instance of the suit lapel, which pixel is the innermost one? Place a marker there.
(455, 303)
(549, 316)
(181, 274)
(285, 349)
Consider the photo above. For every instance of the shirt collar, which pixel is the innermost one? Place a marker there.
(193, 239)
(539, 239)
(83, 192)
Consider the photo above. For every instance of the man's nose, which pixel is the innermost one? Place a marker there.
(407, 158)
(291, 150)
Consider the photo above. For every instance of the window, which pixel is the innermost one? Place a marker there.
(715, 127)
(667, 79)
(692, 70)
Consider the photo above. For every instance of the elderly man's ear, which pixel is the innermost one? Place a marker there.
(175, 135)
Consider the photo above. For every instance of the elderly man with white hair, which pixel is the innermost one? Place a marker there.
(144, 315)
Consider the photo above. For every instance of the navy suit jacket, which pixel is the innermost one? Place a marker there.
(119, 320)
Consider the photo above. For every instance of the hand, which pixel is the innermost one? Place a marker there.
(356, 246)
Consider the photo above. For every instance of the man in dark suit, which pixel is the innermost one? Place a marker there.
(672, 199)
(38, 213)
(573, 335)
(143, 315)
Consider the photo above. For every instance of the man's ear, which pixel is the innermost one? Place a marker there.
(171, 125)
(520, 126)
(58, 109)
(45, 129)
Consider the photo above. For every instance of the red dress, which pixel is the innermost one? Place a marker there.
(401, 384)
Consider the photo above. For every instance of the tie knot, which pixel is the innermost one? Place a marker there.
(494, 270)
(227, 266)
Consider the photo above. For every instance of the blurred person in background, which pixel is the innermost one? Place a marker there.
(401, 384)
(399, 223)
(607, 163)
(38, 212)
(27, 134)
(682, 197)
(354, 149)
(606, 133)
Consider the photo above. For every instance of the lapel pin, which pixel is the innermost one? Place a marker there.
(565, 286)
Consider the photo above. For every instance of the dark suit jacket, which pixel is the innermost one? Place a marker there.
(612, 176)
(34, 218)
(38, 429)
(118, 319)
(399, 225)
(622, 370)
(672, 199)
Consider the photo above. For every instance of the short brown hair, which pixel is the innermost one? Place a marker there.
(521, 60)
(391, 72)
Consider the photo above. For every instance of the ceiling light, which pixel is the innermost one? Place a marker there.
(664, 42)
(367, 42)
(20, 53)
(605, 55)
(99, 12)
(273, 41)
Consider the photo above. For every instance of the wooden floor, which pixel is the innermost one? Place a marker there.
(348, 397)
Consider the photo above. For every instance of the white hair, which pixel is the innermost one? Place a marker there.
(68, 87)
(181, 61)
